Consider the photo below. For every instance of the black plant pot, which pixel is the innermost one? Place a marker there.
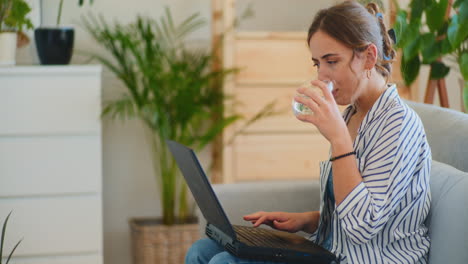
(54, 45)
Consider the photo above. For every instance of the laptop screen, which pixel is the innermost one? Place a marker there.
(200, 186)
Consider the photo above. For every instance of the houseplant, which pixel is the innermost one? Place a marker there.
(174, 91)
(427, 33)
(13, 19)
(2, 242)
(55, 44)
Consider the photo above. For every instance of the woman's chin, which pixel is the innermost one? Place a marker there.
(340, 101)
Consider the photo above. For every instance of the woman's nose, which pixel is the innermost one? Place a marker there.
(322, 75)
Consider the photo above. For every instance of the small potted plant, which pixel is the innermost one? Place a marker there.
(13, 19)
(2, 240)
(55, 44)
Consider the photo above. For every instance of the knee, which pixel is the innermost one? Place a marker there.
(201, 252)
(223, 258)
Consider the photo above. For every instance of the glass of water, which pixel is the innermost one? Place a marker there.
(299, 108)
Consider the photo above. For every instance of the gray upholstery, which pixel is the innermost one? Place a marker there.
(447, 133)
(448, 217)
(239, 199)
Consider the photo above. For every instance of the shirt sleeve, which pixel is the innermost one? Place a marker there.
(396, 147)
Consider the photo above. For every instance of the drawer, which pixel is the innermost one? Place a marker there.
(50, 165)
(49, 104)
(279, 157)
(270, 63)
(54, 225)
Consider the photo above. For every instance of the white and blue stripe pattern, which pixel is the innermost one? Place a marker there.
(382, 219)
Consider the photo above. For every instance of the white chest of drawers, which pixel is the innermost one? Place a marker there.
(51, 163)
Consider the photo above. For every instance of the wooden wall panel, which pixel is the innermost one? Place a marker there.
(279, 157)
(273, 58)
(253, 98)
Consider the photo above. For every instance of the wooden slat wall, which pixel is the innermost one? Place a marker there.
(273, 65)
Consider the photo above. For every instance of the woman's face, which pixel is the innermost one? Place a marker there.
(334, 61)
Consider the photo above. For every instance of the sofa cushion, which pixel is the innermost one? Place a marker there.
(447, 133)
(448, 217)
(239, 199)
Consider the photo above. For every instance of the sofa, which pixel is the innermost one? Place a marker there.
(447, 134)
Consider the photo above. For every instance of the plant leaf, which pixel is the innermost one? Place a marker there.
(445, 46)
(2, 240)
(410, 41)
(417, 7)
(430, 49)
(400, 27)
(457, 3)
(13, 251)
(463, 12)
(438, 70)
(411, 50)
(435, 15)
(463, 63)
(410, 69)
(457, 31)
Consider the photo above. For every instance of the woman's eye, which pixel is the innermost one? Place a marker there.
(316, 65)
(331, 62)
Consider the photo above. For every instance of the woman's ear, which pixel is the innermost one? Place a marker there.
(371, 56)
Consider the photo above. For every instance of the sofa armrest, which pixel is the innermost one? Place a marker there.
(239, 199)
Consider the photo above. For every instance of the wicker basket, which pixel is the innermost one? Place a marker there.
(155, 243)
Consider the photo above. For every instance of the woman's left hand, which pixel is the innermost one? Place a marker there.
(326, 116)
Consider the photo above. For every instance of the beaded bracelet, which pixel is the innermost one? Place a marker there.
(342, 156)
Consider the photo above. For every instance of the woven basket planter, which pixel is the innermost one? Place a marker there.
(155, 243)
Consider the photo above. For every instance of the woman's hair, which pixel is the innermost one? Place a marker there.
(356, 27)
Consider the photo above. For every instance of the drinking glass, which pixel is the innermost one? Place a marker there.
(299, 108)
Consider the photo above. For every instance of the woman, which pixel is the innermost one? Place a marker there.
(375, 188)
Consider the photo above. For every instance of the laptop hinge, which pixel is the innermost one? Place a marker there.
(219, 236)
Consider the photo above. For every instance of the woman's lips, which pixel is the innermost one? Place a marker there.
(334, 92)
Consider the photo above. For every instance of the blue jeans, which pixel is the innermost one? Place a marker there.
(206, 251)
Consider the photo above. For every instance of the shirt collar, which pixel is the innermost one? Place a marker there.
(386, 100)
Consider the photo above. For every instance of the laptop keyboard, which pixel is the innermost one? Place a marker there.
(260, 237)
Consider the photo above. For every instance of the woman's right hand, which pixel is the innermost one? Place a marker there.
(290, 222)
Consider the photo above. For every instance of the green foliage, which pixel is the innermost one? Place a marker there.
(463, 62)
(427, 35)
(174, 90)
(59, 15)
(13, 15)
(435, 15)
(410, 69)
(2, 242)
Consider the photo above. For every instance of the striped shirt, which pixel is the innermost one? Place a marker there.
(382, 219)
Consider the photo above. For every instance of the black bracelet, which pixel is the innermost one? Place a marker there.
(342, 156)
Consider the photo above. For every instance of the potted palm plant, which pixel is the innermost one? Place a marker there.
(55, 44)
(13, 19)
(431, 32)
(175, 92)
(2, 242)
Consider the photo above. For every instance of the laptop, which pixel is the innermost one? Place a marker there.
(243, 241)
